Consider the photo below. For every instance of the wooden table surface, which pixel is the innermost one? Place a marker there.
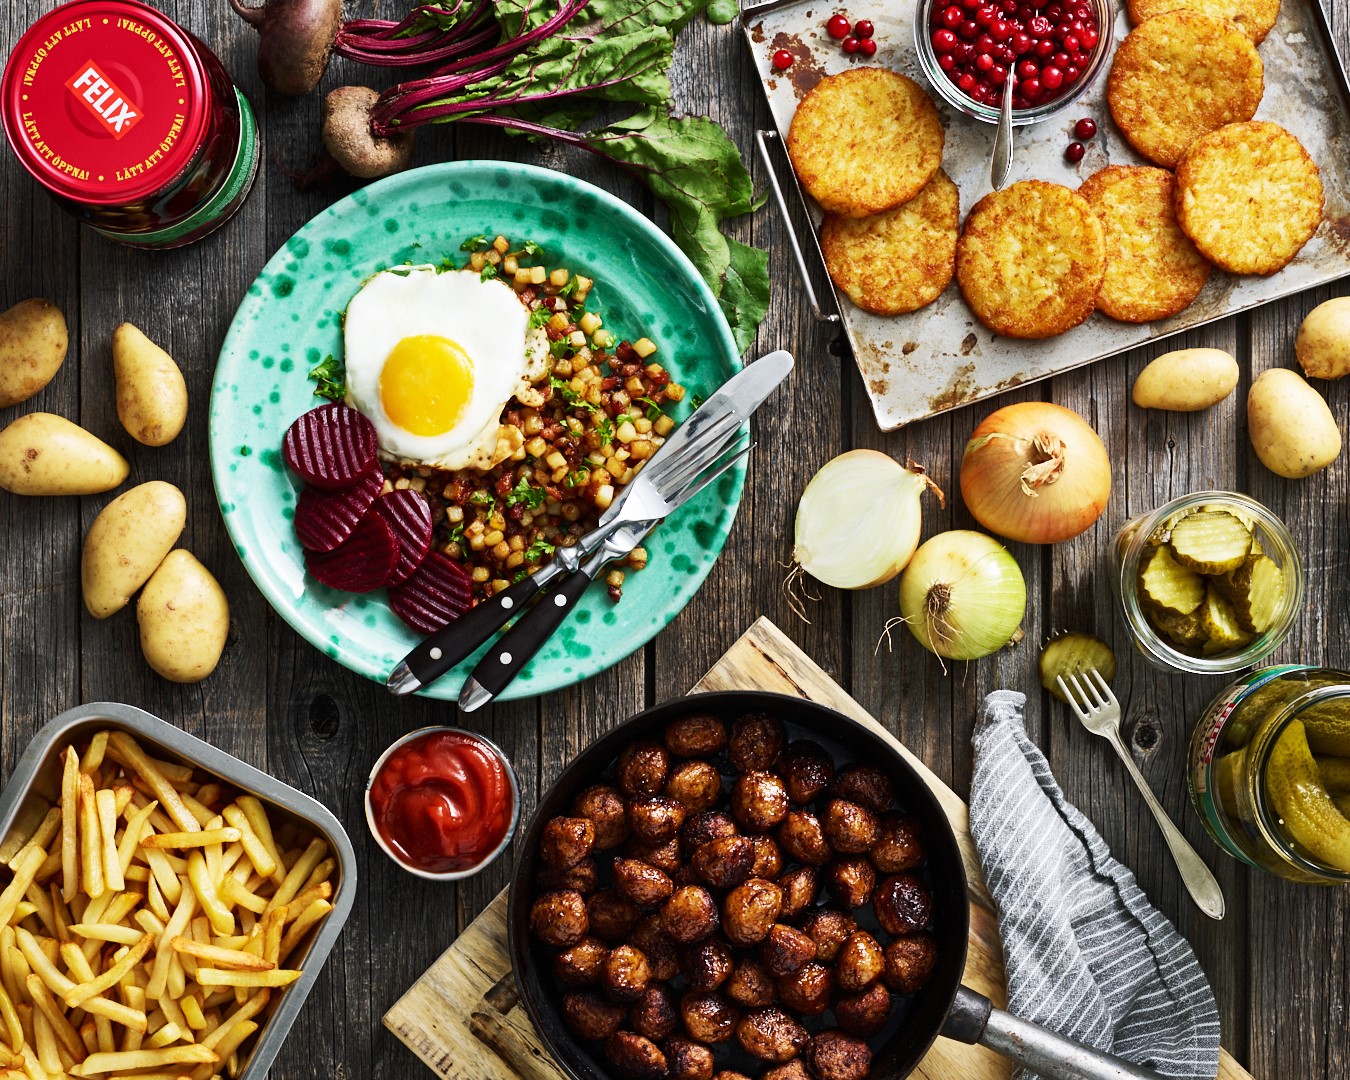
(1279, 962)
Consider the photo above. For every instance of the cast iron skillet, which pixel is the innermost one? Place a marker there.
(942, 1007)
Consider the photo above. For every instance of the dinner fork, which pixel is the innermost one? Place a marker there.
(1096, 706)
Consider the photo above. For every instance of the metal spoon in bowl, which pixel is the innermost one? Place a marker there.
(1001, 164)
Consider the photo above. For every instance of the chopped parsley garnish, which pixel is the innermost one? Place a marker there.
(482, 498)
(653, 409)
(531, 250)
(565, 391)
(560, 349)
(579, 477)
(457, 534)
(568, 289)
(488, 273)
(526, 495)
(697, 400)
(539, 316)
(605, 429)
(476, 243)
(539, 550)
(331, 377)
(446, 264)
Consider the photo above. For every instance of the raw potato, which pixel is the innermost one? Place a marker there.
(1187, 380)
(1323, 342)
(184, 619)
(127, 542)
(151, 395)
(45, 454)
(32, 345)
(1291, 426)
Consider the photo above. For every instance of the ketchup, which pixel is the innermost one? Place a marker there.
(443, 802)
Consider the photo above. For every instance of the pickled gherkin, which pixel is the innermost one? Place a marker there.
(1211, 542)
(1328, 726)
(1307, 813)
(1335, 773)
(1256, 590)
(1167, 585)
(1074, 654)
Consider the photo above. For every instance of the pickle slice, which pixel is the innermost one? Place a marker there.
(1256, 589)
(1073, 654)
(1335, 773)
(1227, 508)
(1186, 632)
(1309, 816)
(1167, 585)
(1211, 542)
(1220, 623)
(1163, 532)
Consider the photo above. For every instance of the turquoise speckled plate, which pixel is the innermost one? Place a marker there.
(291, 319)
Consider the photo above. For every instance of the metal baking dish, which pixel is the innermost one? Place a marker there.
(37, 776)
(940, 357)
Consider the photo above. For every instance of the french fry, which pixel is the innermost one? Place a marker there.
(171, 1032)
(315, 913)
(45, 1043)
(42, 836)
(93, 756)
(26, 823)
(121, 1061)
(231, 958)
(112, 975)
(9, 1015)
(159, 973)
(192, 1011)
(105, 802)
(232, 892)
(274, 926)
(70, 794)
(191, 840)
(299, 873)
(32, 956)
(222, 921)
(256, 817)
(48, 1008)
(23, 877)
(154, 775)
(91, 845)
(228, 1045)
(123, 935)
(321, 891)
(219, 977)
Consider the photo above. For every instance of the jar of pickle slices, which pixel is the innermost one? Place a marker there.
(1269, 772)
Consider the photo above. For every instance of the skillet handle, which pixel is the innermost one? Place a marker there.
(1050, 1055)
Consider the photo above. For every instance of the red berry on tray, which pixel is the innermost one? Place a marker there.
(868, 47)
(438, 592)
(782, 60)
(851, 44)
(363, 562)
(1073, 153)
(325, 519)
(838, 26)
(864, 29)
(331, 446)
(409, 515)
(1085, 128)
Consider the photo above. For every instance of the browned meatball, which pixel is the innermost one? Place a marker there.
(899, 844)
(583, 877)
(580, 964)
(759, 801)
(750, 910)
(829, 930)
(566, 841)
(641, 882)
(690, 914)
(771, 1035)
(707, 965)
(642, 768)
(789, 1070)
(803, 838)
(687, 1060)
(625, 973)
(866, 785)
(730, 1074)
(705, 826)
(903, 905)
(655, 1013)
(851, 880)
(696, 735)
(836, 1056)
(604, 806)
(724, 863)
(559, 918)
(850, 828)
(860, 962)
(768, 858)
(756, 741)
(750, 985)
(864, 1014)
(635, 1057)
(612, 916)
(656, 819)
(785, 950)
(807, 771)
(696, 784)
(663, 955)
(590, 1016)
(799, 891)
(909, 962)
(807, 990)
(664, 857)
(708, 1017)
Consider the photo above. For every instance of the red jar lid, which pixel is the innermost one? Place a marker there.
(105, 101)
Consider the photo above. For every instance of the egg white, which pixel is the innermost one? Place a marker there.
(485, 318)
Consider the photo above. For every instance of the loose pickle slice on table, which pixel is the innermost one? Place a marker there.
(1220, 623)
(1309, 816)
(1167, 585)
(1186, 632)
(1211, 542)
(1073, 654)
(1256, 589)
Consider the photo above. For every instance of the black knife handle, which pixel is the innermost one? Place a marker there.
(508, 656)
(457, 640)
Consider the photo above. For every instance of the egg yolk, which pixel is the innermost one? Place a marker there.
(426, 384)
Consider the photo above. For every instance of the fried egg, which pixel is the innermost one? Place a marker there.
(433, 358)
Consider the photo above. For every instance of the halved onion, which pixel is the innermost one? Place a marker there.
(963, 595)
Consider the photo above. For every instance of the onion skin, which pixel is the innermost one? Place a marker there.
(1035, 472)
(963, 595)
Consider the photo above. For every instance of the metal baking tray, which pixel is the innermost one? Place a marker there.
(941, 357)
(37, 776)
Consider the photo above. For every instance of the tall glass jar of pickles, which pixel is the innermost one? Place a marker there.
(1270, 772)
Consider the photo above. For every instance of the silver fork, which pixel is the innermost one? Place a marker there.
(1096, 706)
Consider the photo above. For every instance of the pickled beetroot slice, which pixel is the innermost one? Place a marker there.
(438, 592)
(331, 446)
(362, 563)
(409, 515)
(324, 519)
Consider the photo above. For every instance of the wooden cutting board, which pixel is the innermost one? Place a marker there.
(463, 1017)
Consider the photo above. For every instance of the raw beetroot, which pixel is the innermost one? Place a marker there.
(363, 562)
(409, 515)
(325, 519)
(437, 593)
(331, 446)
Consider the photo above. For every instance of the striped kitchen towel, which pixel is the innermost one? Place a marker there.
(1087, 955)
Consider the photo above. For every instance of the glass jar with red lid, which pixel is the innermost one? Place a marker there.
(129, 122)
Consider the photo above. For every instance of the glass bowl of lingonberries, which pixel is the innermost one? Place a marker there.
(1053, 50)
